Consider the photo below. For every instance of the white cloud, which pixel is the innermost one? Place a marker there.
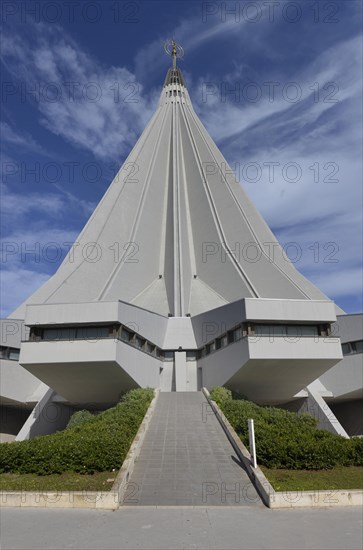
(23, 140)
(16, 205)
(346, 282)
(21, 283)
(99, 109)
(231, 119)
(324, 140)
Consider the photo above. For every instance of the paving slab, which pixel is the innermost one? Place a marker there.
(149, 528)
(187, 459)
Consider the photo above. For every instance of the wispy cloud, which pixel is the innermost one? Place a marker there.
(101, 109)
(322, 141)
(16, 205)
(24, 140)
(22, 282)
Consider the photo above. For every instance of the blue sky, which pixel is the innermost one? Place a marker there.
(277, 84)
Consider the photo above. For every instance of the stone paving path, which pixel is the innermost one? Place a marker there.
(186, 459)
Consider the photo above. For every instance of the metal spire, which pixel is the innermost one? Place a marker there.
(174, 49)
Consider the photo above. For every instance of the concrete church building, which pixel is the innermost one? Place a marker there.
(176, 282)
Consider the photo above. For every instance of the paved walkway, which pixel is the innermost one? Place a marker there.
(150, 528)
(186, 459)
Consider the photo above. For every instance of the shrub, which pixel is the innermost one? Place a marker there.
(97, 444)
(288, 440)
(220, 394)
(79, 417)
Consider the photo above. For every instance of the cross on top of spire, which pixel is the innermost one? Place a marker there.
(174, 49)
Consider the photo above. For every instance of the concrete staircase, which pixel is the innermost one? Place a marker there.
(186, 459)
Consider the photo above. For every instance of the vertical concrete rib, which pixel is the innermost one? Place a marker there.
(178, 288)
(249, 225)
(140, 207)
(218, 223)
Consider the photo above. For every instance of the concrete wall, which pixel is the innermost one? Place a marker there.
(345, 380)
(318, 408)
(211, 324)
(91, 371)
(180, 371)
(269, 370)
(150, 325)
(16, 383)
(53, 417)
(167, 376)
(317, 311)
(12, 332)
(350, 415)
(192, 376)
(349, 327)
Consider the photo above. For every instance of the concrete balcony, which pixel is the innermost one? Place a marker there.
(90, 371)
(17, 385)
(270, 370)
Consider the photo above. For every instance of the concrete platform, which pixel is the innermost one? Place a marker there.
(187, 460)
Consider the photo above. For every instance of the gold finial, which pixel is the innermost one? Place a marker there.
(174, 49)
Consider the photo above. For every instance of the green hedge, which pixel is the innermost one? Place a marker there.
(287, 440)
(98, 445)
(80, 417)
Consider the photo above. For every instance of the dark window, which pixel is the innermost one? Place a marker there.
(139, 342)
(150, 348)
(11, 354)
(76, 333)
(66, 333)
(92, 333)
(126, 335)
(212, 346)
(166, 355)
(357, 347)
(14, 354)
(303, 330)
(346, 349)
(289, 331)
(224, 341)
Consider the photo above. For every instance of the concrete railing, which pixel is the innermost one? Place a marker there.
(106, 500)
(282, 499)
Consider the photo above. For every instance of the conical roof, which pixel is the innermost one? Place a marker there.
(175, 232)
